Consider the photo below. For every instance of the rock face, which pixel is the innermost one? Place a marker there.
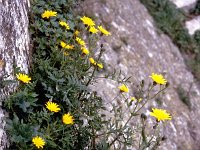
(138, 49)
(14, 48)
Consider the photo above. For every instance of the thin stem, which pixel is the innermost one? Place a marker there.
(150, 99)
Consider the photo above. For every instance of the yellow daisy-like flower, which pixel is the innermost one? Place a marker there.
(38, 142)
(100, 65)
(76, 33)
(87, 21)
(49, 13)
(23, 77)
(104, 31)
(64, 24)
(85, 50)
(64, 45)
(53, 107)
(92, 61)
(160, 114)
(68, 119)
(123, 88)
(93, 30)
(80, 41)
(158, 78)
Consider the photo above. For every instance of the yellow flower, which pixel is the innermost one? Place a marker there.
(66, 53)
(160, 114)
(64, 24)
(87, 21)
(100, 65)
(133, 98)
(85, 50)
(76, 33)
(158, 78)
(93, 30)
(69, 46)
(80, 41)
(23, 77)
(123, 88)
(53, 107)
(140, 99)
(64, 45)
(104, 31)
(38, 142)
(92, 61)
(68, 119)
(49, 13)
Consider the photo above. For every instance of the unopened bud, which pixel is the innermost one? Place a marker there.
(143, 116)
(154, 83)
(167, 84)
(164, 138)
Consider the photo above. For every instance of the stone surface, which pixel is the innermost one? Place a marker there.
(137, 48)
(14, 48)
(184, 3)
(193, 25)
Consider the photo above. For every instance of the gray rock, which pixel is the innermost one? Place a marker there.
(14, 49)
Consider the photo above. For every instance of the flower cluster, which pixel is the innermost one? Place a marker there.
(55, 119)
(91, 24)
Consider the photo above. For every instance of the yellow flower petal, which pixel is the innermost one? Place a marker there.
(85, 50)
(80, 41)
(93, 30)
(92, 61)
(100, 65)
(104, 31)
(66, 46)
(64, 24)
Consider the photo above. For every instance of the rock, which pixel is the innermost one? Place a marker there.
(144, 49)
(14, 49)
(193, 25)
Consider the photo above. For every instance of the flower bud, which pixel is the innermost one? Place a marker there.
(143, 116)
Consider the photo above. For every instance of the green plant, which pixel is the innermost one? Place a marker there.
(196, 10)
(55, 108)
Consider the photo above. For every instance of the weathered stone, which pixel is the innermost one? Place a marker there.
(14, 49)
(193, 25)
(143, 50)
